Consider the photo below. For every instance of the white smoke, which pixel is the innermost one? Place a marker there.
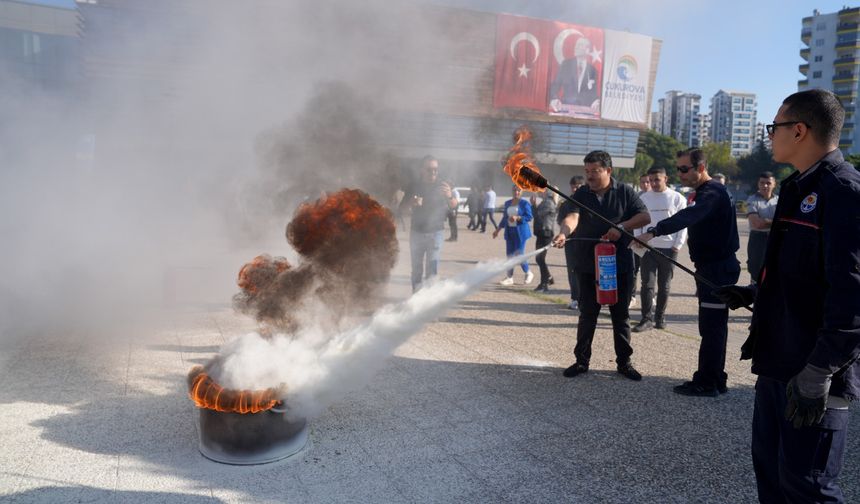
(317, 370)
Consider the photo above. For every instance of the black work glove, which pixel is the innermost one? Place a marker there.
(735, 296)
(806, 396)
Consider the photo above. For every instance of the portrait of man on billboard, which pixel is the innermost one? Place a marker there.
(575, 90)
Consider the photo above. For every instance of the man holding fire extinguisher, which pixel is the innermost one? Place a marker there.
(713, 240)
(619, 203)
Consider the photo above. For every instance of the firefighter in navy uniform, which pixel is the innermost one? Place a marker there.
(713, 240)
(805, 334)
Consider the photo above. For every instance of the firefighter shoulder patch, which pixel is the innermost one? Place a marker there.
(809, 202)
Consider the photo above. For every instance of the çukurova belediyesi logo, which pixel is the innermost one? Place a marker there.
(627, 68)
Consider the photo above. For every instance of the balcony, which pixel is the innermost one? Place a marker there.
(845, 60)
(849, 109)
(854, 42)
(844, 78)
(849, 12)
(804, 68)
(845, 94)
(806, 35)
(802, 83)
(804, 53)
(847, 27)
(848, 126)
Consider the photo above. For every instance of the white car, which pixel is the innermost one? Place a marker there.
(464, 196)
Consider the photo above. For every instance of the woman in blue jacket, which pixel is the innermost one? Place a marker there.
(517, 215)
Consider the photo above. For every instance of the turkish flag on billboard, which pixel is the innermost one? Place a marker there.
(523, 49)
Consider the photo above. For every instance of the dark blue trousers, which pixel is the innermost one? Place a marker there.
(713, 321)
(795, 465)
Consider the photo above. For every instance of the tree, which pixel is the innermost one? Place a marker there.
(661, 151)
(854, 159)
(760, 160)
(720, 160)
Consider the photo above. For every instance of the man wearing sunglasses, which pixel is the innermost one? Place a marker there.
(713, 240)
(805, 333)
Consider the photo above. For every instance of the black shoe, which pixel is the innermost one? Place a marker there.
(541, 288)
(628, 371)
(550, 281)
(696, 389)
(722, 388)
(576, 369)
(644, 325)
(660, 323)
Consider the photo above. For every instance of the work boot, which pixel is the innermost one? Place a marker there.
(576, 369)
(696, 389)
(660, 323)
(644, 325)
(628, 371)
(550, 280)
(542, 288)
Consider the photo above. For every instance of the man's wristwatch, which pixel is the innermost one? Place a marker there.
(652, 231)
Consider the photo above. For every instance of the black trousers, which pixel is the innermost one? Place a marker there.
(588, 311)
(485, 214)
(452, 223)
(474, 220)
(795, 465)
(571, 275)
(755, 253)
(714, 321)
(542, 241)
(656, 271)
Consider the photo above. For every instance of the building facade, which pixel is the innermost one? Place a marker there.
(39, 45)
(678, 116)
(733, 120)
(832, 61)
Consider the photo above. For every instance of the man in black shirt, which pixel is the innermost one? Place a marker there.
(620, 204)
(713, 241)
(565, 208)
(430, 201)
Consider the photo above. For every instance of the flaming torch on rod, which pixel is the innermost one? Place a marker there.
(525, 174)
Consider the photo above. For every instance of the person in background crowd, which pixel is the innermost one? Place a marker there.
(489, 208)
(430, 199)
(544, 231)
(644, 187)
(565, 208)
(761, 207)
(515, 224)
(662, 202)
(805, 334)
(473, 203)
(452, 212)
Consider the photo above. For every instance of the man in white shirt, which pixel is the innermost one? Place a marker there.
(662, 203)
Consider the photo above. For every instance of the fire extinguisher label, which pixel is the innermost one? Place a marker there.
(606, 267)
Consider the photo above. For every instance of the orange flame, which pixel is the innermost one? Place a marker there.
(205, 393)
(520, 156)
(258, 273)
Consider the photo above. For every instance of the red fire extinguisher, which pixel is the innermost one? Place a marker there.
(605, 270)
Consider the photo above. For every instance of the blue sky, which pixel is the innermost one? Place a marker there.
(708, 45)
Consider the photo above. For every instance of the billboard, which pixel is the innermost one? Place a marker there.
(570, 70)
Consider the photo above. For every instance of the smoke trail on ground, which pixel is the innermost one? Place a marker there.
(318, 370)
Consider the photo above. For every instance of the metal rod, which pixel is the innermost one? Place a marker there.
(541, 181)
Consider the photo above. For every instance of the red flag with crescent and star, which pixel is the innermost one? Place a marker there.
(523, 50)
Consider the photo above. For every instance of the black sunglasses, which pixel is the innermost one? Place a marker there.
(772, 127)
(685, 168)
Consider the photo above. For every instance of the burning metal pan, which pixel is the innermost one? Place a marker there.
(250, 438)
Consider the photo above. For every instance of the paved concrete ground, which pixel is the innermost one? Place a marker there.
(472, 409)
